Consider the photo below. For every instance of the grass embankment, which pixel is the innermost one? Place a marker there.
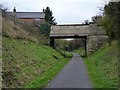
(103, 66)
(28, 64)
(64, 53)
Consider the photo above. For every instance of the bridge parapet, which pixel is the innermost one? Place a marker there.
(80, 30)
(69, 30)
(96, 30)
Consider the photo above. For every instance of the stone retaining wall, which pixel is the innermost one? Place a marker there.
(95, 42)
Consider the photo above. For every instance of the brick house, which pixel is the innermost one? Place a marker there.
(28, 17)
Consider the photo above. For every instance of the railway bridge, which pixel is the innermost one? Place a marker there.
(93, 35)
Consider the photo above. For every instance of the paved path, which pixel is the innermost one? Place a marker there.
(73, 75)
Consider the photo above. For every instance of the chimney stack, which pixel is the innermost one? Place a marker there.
(14, 14)
(14, 10)
(43, 9)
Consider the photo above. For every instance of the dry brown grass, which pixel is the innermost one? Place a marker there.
(22, 31)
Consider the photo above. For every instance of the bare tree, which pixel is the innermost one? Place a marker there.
(3, 9)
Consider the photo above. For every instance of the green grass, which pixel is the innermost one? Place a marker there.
(80, 51)
(64, 53)
(28, 64)
(103, 66)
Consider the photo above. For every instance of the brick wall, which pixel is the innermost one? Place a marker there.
(32, 21)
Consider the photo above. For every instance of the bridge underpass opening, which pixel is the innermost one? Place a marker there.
(74, 40)
(94, 35)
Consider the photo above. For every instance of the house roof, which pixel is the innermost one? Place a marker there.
(35, 15)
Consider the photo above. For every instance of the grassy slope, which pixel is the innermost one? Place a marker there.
(103, 67)
(27, 64)
(64, 53)
(22, 31)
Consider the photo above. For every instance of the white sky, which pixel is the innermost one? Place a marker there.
(65, 11)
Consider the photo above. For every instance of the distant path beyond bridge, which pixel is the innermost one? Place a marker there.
(73, 75)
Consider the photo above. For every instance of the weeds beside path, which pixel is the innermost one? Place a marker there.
(103, 66)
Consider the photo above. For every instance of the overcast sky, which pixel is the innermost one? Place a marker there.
(65, 11)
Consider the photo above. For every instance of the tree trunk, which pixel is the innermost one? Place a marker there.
(109, 39)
